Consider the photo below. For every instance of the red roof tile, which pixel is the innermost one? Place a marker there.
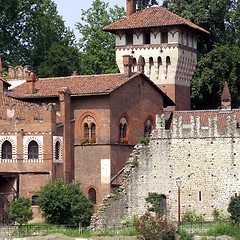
(78, 85)
(84, 85)
(226, 93)
(204, 114)
(154, 16)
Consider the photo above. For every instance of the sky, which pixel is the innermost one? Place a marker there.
(71, 9)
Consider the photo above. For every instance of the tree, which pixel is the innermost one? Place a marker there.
(65, 203)
(218, 61)
(98, 47)
(155, 199)
(234, 209)
(28, 29)
(141, 4)
(20, 210)
(61, 61)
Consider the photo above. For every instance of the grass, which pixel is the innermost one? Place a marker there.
(211, 229)
(186, 231)
(46, 229)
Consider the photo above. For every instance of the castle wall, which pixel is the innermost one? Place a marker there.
(206, 158)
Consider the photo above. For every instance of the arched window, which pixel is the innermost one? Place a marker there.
(123, 130)
(92, 195)
(151, 63)
(93, 131)
(148, 127)
(163, 204)
(57, 150)
(168, 62)
(6, 150)
(89, 130)
(134, 65)
(33, 150)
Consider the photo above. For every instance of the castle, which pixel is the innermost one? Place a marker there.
(85, 127)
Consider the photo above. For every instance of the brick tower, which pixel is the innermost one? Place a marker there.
(165, 42)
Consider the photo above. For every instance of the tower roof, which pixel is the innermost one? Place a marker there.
(152, 17)
(226, 93)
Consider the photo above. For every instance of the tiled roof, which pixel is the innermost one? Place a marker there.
(204, 114)
(14, 109)
(78, 85)
(84, 85)
(226, 92)
(154, 16)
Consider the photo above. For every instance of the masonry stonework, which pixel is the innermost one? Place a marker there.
(206, 158)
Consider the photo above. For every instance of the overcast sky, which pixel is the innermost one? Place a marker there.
(71, 9)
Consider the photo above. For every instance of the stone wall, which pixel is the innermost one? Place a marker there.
(206, 158)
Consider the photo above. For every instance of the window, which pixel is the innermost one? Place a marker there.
(200, 196)
(123, 130)
(89, 130)
(151, 64)
(92, 195)
(34, 200)
(148, 127)
(57, 150)
(129, 39)
(33, 150)
(134, 65)
(164, 37)
(146, 38)
(168, 62)
(6, 150)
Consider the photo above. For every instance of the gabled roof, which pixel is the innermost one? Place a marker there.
(84, 85)
(78, 85)
(151, 17)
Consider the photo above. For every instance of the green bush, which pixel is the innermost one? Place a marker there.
(219, 229)
(190, 216)
(234, 209)
(219, 215)
(65, 203)
(154, 228)
(20, 210)
(143, 140)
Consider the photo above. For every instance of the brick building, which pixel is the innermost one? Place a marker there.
(77, 127)
(85, 127)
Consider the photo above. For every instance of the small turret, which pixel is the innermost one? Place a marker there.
(226, 97)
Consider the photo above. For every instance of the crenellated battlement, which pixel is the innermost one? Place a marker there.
(196, 127)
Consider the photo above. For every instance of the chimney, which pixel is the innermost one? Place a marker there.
(127, 63)
(130, 7)
(31, 78)
(226, 98)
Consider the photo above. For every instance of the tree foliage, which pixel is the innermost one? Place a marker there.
(141, 4)
(98, 47)
(155, 199)
(60, 61)
(234, 209)
(65, 203)
(20, 210)
(218, 61)
(28, 29)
